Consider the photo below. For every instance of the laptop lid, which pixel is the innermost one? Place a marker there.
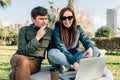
(91, 68)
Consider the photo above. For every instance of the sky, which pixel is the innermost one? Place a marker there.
(19, 10)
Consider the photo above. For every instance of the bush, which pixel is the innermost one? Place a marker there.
(104, 31)
(110, 44)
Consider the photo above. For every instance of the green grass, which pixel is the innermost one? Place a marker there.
(113, 64)
(6, 52)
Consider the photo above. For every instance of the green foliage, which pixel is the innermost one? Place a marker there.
(9, 35)
(13, 35)
(4, 3)
(5, 54)
(71, 3)
(118, 30)
(112, 44)
(0, 33)
(4, 33)
(52, 15)
(104, 31)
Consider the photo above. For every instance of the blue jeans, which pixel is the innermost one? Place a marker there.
(56, 57)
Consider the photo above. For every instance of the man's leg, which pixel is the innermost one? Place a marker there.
(22, 67)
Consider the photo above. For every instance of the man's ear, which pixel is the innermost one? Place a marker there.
(32, 19)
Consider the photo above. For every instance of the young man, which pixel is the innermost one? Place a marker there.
(32, 42)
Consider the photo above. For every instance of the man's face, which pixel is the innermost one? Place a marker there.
(40, 21)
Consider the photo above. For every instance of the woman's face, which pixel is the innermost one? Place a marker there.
(67, 19)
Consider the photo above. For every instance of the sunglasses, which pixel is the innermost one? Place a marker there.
(69, 18)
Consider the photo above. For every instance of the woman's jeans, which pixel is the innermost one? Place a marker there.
(56, 57)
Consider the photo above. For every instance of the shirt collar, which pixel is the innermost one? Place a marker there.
(35, 27)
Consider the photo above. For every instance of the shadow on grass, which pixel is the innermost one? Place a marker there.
(114, 63)
(6, 69)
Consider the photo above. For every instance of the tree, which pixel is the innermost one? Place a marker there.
(52, 15)
(4, 33)
(118, 30)
(71, 3)
(4, 3)
(9, 35)
(0, 33)
(84, 19)
(13, 36)
(104, 31)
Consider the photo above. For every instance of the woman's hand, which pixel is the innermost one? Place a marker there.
(75, 66)
(88, 53)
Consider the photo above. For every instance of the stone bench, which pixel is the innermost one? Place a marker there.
(44, 74)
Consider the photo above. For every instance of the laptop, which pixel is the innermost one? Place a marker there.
(91, 68)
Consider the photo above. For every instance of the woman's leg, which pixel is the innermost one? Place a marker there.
(22, 67)
(96, 52)
(79, 55)
(56, 57)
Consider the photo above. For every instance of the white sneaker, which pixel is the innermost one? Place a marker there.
(63, 69)
(9, 73)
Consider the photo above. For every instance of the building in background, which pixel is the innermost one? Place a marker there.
(112, 20)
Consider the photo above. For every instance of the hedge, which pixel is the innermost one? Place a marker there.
(110, 44)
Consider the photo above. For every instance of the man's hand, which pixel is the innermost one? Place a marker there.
(88, 53)
(40, 33)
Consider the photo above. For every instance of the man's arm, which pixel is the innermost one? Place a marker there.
(25, 47)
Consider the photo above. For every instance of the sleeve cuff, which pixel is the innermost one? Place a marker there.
(35, 43)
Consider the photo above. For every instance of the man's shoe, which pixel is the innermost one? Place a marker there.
(9, 73)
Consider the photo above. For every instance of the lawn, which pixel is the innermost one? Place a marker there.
(113, 62)
(5, 54)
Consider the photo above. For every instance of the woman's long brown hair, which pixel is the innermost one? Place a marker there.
(64, 30)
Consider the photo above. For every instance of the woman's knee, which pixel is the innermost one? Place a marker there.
(95, 49)
(95, 52)
(53, 52)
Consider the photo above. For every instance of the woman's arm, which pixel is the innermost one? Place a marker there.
(84, 38)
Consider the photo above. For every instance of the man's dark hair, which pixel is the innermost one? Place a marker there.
(39, 11)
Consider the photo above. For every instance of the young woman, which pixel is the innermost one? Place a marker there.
(66, 37)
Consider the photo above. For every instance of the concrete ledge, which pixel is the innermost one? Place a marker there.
(44, 74)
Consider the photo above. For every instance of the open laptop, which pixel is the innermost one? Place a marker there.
(91, 68)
